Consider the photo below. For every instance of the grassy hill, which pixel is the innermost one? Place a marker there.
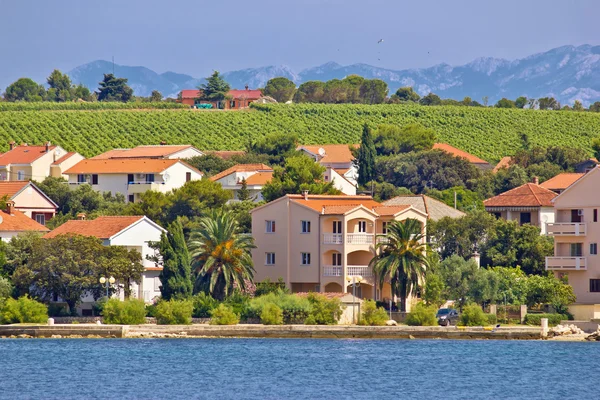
(489, 133)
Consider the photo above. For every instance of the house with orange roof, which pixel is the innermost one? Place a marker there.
(562, 181)
(225, 154)
(29, 200)
(504, 162)
(162, 151)
(321, 242)
(132, 176)
(255, 175)
(132, 232)
(236, 99)
(29, 162)
(528, 204)
(13, 222)
(339, 161)
(476, 161)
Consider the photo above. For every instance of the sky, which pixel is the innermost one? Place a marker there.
(198, 36)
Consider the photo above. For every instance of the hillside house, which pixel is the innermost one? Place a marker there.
(476, 161)
(339, 161)
(561, 182)
(29, 200)
(236, 99)
(256, 176)
(132, 177)
(434, 209)
(14, 222)
(162, 151)
(320, 242)
(25, 162)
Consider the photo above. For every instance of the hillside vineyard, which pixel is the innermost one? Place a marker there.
(489, 133)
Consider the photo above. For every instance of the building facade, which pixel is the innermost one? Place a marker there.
(25, 162)
(237, 99)
(29, 200)
(255, 176)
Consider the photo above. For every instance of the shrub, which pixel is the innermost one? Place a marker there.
(473, 315)
(23, 310)
(151, 310)
(265, 287)
(294, 308)
(422, 315)
(271, 315)
(239, 303)
(5, 288)
(553, 319)
(323, 311)
(491, 319)
(372, 315)
(128, 312)
(223, 315)
(58, 310)
(174, 312)
(203, 304)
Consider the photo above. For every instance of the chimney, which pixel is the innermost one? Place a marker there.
(535, 180)
(10, 207)
(305, 194)
(477, 258)
(11, 144)
(246, 87)
(48, 146)
(81, 216)
(163, 143)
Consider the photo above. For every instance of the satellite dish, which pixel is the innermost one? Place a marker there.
(166, 177)
(1, 219)
(321, 152)
(58, 152)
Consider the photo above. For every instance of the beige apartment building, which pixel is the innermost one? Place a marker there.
(576, 232)
(321, 243)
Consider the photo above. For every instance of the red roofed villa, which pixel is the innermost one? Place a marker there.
(256, 176)
(237, 98)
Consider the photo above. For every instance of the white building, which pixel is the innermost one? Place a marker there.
(14, 222)
(339, 161)
(256, 176)
(29, 199)
(132, 177)
(162, 151)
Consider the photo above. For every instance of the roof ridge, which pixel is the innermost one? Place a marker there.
(529, 185)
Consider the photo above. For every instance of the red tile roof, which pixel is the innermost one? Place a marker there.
(10, 188)
(242, 168)
(334, 203)
(260, 178)
(108, 154)
(527, 195)
(561, 181)
(64, 158)
(334, 153)
(459, 153)
(19, 222)
(390, 210)
(250, 94)
(101, 227)
(190, 93)
(124, 166)
(504, 163)
(158, 151)
(23, 154)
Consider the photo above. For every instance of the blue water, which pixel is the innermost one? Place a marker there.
(296, 369)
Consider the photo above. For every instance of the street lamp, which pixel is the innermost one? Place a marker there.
(108, 282)
(355, 279)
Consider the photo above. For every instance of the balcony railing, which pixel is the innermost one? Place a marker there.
(333, 238)
(332, 270)
(360, 238)
(566, 228)
(362, 270)
(565, 264)
(141, 187)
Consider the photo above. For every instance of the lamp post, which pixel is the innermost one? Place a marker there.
(107, 283)
(355, 279)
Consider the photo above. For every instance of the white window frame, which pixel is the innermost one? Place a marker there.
(305, 226)
(304, 258)
(270, 226)
(157, 284)
(269, 258)
(40, 219)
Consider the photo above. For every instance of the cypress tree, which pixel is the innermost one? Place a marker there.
(243, 193)
(176, 276)
(366, 157)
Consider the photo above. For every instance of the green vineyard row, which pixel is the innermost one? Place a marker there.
(489, 133)
(96, 105)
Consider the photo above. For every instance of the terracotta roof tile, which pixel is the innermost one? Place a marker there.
(108, 154)
(504, 163)
(561, 181)
(390, 210)
(335, 203)
(23, 154)
(434, 209)
(527, 195)
(226, 155)
(158, 151)
(260, 178)
(64, 158)
(334, 153)
(10, 188)
(101, 227)
(459, 153)
(242, 168)
(19, 222)
(124, 166)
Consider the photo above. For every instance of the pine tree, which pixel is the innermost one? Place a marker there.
(114, 89)
(366, 157)
(243, 193)
(175, 278)
(215, 88)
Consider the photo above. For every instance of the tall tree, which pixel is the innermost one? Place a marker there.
(505, 103)
(407, 93)
(215, 88)
(156, 96)
(221, 257)
(392, 139)
(548, 103)
(366, 157)
(577, 106)
(25, 89)
(521, 102)
(431, 99)
(277, 146)
(373, 91)
(310, 92)
(176, 276)
(281, 89)
(114, 89)
(401, 259)
(61, 88)
(243, 194)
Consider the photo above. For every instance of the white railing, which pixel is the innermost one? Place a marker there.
(332, 270)
(566, 228)
(565, 264)
(333, 238)
(360, 238)
(359, 270)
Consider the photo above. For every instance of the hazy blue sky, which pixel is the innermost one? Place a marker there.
(196, 36)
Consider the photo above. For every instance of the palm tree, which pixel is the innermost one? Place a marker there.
(220, 255)
(401, 258)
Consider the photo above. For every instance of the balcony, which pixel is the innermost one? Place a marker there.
(141, 187)
(332, 270)
(565, 264)
(359, 270)
(333, 238)
(360, 238)
(566, 229)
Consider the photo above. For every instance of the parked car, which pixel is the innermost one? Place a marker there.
(447, 316)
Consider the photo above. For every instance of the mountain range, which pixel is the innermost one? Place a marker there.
(567, 73)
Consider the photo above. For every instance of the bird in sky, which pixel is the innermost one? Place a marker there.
(380, 41)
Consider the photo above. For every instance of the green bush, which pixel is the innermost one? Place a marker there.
(271, 315)
(58, 310)
(174, 312)
(553, 319)
(223, 315)
(323, 311)
(151, 310)
(128, 312)
(373, 315)
(473, 315)
(203, 304)
(5, 288)
(265, 287)
(239, 303)
(422, 315)
(23, 310)
(294, 308)
(491, 319)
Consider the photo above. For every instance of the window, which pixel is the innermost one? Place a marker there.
(497, 215)
(594, 285)
(362, 226)
(305, 259)
(269, 258)
(576, 215)
(525, 218)
(337, 226)
(156, 284)
(131, 198)
(336, 259)
(40, 219)
(149, 177)
(305, 226)
(20, 175)
(384, 226)
(576, 250)
(94, 179)
(129, 178)
(80, 178)
(270, 226)
(595, 215)
(188, 176)
(594, 248)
